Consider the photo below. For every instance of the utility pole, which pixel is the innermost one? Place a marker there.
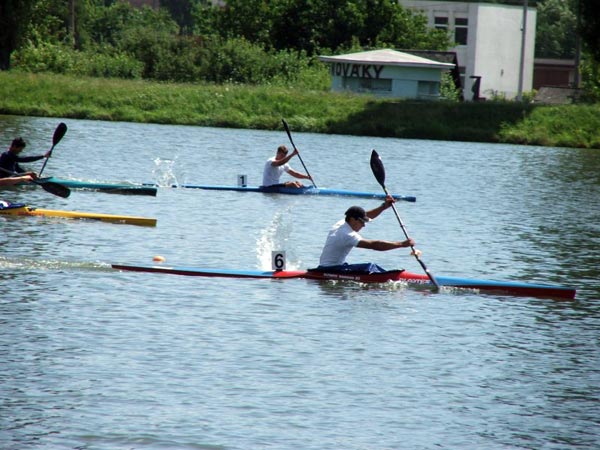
(72, 22)
(522, 62)
(577, 80)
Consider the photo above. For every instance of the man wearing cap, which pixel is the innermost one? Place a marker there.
(275, 166)
(344, 236)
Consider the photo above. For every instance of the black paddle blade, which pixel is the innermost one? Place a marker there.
(60, 131)
(55, 188)
(377, 168)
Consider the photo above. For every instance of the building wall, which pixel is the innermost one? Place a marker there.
(386, 81)
(498, 44)
(492, 49)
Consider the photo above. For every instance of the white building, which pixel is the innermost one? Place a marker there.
(387, 73)
(489, 42)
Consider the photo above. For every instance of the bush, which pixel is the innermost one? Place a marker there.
(44, 57)
(58, 58)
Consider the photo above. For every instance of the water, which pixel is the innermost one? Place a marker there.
(91, 358)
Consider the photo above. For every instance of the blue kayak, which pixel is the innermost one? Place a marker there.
(307, 190)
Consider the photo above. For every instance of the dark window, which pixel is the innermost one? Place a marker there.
(461, 28)
(367, 84)
(440, 23)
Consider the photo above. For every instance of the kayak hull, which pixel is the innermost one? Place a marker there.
(307, 190)
(109, 188)
(24, 210)
(489, 286)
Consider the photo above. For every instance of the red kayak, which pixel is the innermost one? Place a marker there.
(488, 286)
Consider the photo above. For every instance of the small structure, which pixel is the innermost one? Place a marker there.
(387, 73)
(554, 72)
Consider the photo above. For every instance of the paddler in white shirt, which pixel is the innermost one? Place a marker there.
(275, 166)
(344, 236)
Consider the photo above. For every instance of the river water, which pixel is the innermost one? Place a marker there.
(93, 358)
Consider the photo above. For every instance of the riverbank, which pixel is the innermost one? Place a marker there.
(262, 107)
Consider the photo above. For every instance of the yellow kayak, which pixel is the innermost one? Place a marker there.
(19, 209)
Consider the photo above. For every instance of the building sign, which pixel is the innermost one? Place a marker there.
(356, 70)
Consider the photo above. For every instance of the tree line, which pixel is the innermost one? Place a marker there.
(248, 41)
(245, 41)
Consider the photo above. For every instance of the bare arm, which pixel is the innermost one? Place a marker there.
(383, 246)
(15, 180)
(285, 160)
(296, 174)
(385, 205)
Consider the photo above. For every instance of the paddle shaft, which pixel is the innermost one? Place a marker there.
(287, 130)
(379, 173)
(414, 252)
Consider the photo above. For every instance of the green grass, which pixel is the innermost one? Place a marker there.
(262, 107)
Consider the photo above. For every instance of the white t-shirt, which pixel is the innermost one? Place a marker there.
(340, 240)
(271, 173)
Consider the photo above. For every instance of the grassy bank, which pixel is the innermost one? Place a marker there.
(262, 107)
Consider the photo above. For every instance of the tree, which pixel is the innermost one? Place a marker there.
(181, 12)
(250, 19)
(15, 16)
(589, 26)
(556, 27)
(316, 25)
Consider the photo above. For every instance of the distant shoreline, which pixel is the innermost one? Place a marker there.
(263, 107)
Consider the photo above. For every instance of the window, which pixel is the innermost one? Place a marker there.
(428, 89)
(367, 84)
(461, 28)
(371, 84)
(440, 23)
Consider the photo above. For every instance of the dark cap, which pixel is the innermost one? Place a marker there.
(356, 212)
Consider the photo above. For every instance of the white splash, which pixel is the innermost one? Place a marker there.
(164, 172)
(275, 237)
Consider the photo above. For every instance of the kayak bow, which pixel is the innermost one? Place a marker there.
(19, 209)
(306, 190)
(487, 286)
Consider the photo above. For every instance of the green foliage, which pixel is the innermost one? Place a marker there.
(555, 35)
(321, 24)
(448, 90)
(14, 17)
(116, 24)
(590, 76)
(248, 41)
(589, 11)
(59, 58)
(268, 42)
(246, 106)
(557, 126)
(249, 19)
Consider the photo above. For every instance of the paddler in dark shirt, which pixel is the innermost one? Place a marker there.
(10, 159)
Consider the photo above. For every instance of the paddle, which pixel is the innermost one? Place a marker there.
(48, 186)
(60, 131)
(379, 172)
(287, 130)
